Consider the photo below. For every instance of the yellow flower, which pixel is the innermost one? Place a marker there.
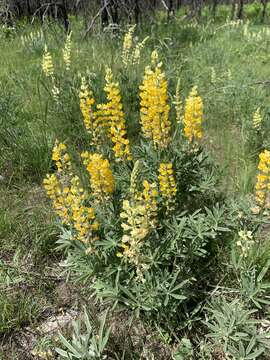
(86, 105)
(47, 64)
(136, 228)
(127, 45)
(257, 120)
(167, 185)
(112, 116)
(262, 186)
(154, 58)
(136, 55)
(68, 197)
(244, 242)
(149, 200)
(133, 180)
(101, 177)
(82, 217)
(67, 52)
(54, 191)
(193, 116)
(138, 218)
(178, 103)
(154, 107)
(61, 157)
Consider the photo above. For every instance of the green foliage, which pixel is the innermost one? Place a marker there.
(85, 343)
(173, 257)
(234, 329)
(184, 351)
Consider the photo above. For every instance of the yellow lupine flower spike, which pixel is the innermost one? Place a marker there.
(47, 64)
(178, 103)
(155, 109)
(101, 177)
(61, 157)
(111, 115)
(193, 116)
(127, 45)
(167, 185)
(257, 120)
(67, 52)
(263, 180)
(86, 105)
(68, 197)
(149, 200)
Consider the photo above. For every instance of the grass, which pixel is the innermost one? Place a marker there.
(231, 73)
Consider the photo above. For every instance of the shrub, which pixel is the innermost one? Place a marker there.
(148, 223)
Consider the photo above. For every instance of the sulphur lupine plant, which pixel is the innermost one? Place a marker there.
(193, 116)
(47, 63)
(178, 103)
(131, 52)
(141, 216)
(155, 107)
(67, 52)
(257, 120)
(167, 185)
(107, 121)
(69, 198)
(86, 105)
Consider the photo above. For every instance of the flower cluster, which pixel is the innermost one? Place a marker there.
(131, 53)
(83, 217)
(67, 52)
(47, 64)
(101, 177)
(69, 198)
(55, 91)
(112, 114)
(193, 116)
(257, 120)
(178, 103)
(61, 157)
(154, 106)
(167, 185)
(136, 55)
(86, 105)
(57, 195)
(149, 200)
(127, 45)
(136, 228)
(263, 180)
(244, 242)
(138, 217)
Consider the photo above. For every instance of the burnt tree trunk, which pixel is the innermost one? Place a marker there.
(214, 7)
(104, 13)
(114, 11)
(240, 9)
(136, 11)
(233, 9)
(170, 10)
(178, 4)
(264, 6)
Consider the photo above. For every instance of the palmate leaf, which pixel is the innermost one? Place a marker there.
(134, 301)
(172, 292)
